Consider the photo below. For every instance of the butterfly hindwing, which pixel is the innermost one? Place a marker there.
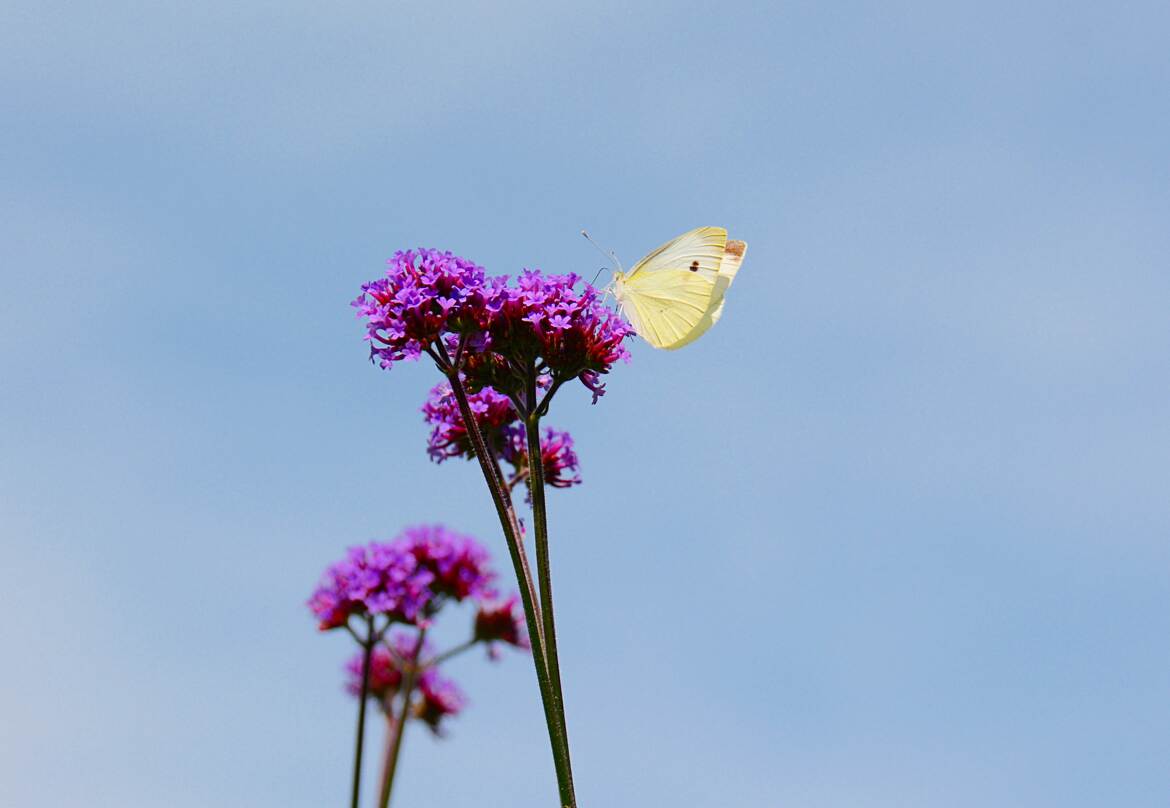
(665, 306)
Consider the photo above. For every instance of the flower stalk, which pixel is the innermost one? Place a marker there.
(398, 728)
(390, 753)
(544, 574)
(533, 612)
(367, 652)
(443, 657)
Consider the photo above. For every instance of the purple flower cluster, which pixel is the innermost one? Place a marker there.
(502, 431)
(545, 319)
(458, 564)
(493, 412)
(405, 579)
(425, 295)
(438, 697)
(433, 301)
(385, 671)
(381, 578)
(501, 621)
(556, 450)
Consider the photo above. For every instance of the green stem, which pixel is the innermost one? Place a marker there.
(390, 754)
(395, 746)
(450, 652)
(544, 572)
(368, 650)
(501, 497)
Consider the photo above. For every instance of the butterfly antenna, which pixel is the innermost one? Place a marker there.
(610, 255)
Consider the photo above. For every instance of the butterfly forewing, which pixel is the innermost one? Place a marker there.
(700, 251)
(732, 259)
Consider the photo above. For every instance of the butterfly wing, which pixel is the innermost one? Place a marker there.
(733, 253)
(699, 251)
(674, 294)
(666, 305)
(732, 259)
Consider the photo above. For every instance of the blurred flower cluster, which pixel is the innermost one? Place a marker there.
(404, 580)
(439, 697)
(387, 595)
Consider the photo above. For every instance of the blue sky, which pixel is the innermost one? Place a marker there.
(893, 534)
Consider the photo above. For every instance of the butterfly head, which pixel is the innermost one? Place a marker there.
(616, 285)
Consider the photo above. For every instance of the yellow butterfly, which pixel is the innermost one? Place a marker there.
(673, 295)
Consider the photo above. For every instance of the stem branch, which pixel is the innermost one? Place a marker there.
(450, 652)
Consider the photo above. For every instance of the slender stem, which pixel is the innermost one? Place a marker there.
(502, 499)
(541, 409)
(517, 478)
(450, 652)
(368, 650)
(501, 496)
(389, 751)
(543, 570)
(394, 655)
(395, 747)
(525, 579)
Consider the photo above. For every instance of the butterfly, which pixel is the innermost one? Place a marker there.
(673, 295)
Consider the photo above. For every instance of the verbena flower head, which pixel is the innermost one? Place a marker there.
(499, 424)
(449, 438)
(561, 469)
(432, 301)
(435, 696)
(438, 698)
(560, 461)
(385, 671)
(457, 564)
(378, 579)
(385, 675)
(545, 319)
(501, 621)
(425, 295)
(405, 580)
